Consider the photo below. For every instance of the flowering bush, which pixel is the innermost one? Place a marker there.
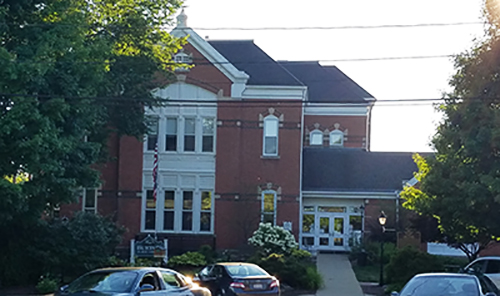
(273, 239)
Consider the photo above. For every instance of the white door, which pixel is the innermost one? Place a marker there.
(331, 232)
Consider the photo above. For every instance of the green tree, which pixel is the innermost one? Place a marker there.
(460, 184)
(71, 73)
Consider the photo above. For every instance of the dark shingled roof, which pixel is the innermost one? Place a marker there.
(326, 83)
(347, 169)
(248, 57)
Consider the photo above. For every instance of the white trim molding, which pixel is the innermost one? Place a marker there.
(351, 194)
(275, 92)
(239, 78)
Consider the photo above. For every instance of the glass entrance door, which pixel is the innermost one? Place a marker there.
(331, 232)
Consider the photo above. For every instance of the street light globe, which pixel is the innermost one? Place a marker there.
(382, 218)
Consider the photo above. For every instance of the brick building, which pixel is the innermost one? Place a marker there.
(246, 139)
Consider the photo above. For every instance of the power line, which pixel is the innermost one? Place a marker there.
(300, 28)
(350, 27)
(248, 62)
(259, 102)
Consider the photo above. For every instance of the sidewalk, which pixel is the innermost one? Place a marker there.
(338, 276)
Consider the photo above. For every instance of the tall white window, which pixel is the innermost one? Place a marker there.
(271, 126)
(206, 211)
(150, 215)
(187, 210)
(316, 137)
(169, 210)
(208, 135)
(336, 138)
(189, 134)
(89, 200)
(171, 136)
(268, 207)
(152, 138)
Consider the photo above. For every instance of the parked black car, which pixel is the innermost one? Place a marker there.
(237, 279)
(428, 284)
(128, 281)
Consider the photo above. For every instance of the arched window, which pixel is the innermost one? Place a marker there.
(316, 137)
(336, 138)
(268, 209)
(270, 140)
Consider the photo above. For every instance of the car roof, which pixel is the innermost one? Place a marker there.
(130, 268)
(234, 263)
(488, 258)
(444, 274)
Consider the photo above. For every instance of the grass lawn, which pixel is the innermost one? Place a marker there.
(368, 273)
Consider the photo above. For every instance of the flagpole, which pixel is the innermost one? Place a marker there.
(155, 180)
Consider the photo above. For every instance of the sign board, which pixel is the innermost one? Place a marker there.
(287, 225)
(150, 247)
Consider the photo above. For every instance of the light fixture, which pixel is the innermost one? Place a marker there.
(382, 218)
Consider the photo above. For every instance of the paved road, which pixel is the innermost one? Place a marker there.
(338, 276)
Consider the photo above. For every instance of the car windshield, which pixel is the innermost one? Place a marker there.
(104, 281)
(246, 270)
(441, 286)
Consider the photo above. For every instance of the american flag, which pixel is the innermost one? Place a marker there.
(155, 173)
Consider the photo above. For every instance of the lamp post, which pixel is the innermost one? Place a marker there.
(382, 219)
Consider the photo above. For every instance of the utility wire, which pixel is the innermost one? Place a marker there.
(334, 27)
(301, 28)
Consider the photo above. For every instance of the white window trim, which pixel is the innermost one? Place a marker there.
(84, 199)
(178, 211)
(164, 135)
(268, 119)
(214, 122)
(262, 205)
(337, 132)
(314, 132)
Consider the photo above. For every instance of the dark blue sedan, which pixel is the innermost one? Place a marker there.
(128, 281)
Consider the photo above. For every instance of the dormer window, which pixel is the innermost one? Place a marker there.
(316, 138)
(337, 138)
(183, 58)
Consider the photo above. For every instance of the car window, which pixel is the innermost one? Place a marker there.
(477, 266)
(104, 281)
(172, 281)
(487, 285)
(218, 271)
(441, 285)
(246, 270)
(206, 271)
(493, 266)
(150, 278)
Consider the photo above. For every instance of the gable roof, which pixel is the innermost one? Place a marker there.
(246, 56)
(347, 169)
(327, 84)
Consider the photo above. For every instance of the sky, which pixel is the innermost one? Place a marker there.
(396, 126)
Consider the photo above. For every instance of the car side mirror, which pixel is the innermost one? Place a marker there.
(63, 288)
(146, 288)
(394, 293)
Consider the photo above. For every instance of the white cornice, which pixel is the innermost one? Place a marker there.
(351, 194)
(275, 92)
(239, 78)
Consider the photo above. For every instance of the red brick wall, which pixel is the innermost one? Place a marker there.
(356, 126)
(241, 169)
(206, 75)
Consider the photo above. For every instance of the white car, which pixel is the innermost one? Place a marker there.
(489, 266)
